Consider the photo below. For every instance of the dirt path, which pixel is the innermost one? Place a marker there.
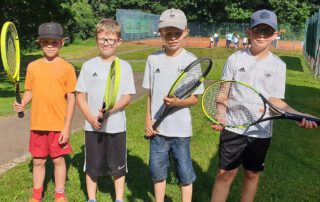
(14, 133)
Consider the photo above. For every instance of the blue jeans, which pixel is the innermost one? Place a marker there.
(161, 148)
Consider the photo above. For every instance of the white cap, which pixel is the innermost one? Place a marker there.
(173, 18)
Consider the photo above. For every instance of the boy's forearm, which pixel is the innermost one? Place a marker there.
(188, 102)
(27, 97)
(148, 112)
(283, 105)
(83, 105)
(71, 102)
(121, 103)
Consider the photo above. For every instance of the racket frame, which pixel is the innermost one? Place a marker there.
(9, 30)
(167, 110)
(108, 102)
(281, 114)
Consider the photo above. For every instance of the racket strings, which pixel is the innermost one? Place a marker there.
(11, 54)
(233, 104)
(185, 86)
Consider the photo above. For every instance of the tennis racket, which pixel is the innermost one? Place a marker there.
(10, 54)
(186, 83)
(112, 87)
(236, 104)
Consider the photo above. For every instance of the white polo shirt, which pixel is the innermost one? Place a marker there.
(92, 81)
(265, 75)
(160, 73)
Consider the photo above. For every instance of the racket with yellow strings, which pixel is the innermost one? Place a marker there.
(10, 54)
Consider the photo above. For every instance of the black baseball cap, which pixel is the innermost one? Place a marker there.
(50, 30)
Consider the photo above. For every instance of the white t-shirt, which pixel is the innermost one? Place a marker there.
(236, 40)
(265, 75)
(92, 81)
(160, 73)
(245, 40)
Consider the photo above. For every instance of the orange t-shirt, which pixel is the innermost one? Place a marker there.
(49, 83)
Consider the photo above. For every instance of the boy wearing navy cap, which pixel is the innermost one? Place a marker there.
(259, 68)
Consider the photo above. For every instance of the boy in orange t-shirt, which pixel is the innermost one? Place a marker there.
(50, 84)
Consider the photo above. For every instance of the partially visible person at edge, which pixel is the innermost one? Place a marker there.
(173, 135)
(50, 85)
(266, 72)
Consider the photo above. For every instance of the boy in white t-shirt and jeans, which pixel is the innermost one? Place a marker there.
(173, 135)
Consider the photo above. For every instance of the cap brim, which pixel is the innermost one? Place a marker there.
(264, 23)
(181, 26)
(50, 36)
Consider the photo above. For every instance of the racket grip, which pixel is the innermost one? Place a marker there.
(156, 124)
(105, 116)
(154, 127)
(299, 118)
(18, 99)
(100, 120)
(20, 114)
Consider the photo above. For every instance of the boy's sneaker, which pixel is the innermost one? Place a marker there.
(61, 199)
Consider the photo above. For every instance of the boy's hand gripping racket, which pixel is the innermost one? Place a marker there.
(237, 105)
(186, 83)
(112, 87)
(10, 54)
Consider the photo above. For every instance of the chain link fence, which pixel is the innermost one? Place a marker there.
(137, 25)
(311, 47)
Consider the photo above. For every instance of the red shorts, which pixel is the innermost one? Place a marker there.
(43, 143)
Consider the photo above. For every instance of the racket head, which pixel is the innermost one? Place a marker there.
(10, 51)
(233, 104)
(190, 78)
(112, 86)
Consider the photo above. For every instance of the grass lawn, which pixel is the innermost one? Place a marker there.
(292, 164)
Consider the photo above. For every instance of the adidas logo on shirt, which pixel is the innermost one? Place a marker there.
(95, 74)
(267, 75)
(242, 69)
(157, 71)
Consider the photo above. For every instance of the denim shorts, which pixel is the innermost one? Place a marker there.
(161, 148)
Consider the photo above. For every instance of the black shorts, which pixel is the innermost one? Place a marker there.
(235, 149)
(105, 153)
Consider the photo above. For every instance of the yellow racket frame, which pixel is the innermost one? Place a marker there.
(11, 28)
(110, 101)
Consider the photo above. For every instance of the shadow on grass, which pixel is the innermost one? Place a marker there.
(78, 162)
(293, 63)
(138, 180)
(203, 185)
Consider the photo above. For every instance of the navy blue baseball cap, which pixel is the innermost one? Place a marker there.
(264, 17)
(50, 30)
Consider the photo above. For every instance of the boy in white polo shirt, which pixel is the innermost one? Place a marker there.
(105, 143)
(174, 133)
(248, 147)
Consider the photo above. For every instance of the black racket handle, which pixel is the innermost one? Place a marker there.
(154, 127)
(299, 118)
(18, 99)
(105, 116)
